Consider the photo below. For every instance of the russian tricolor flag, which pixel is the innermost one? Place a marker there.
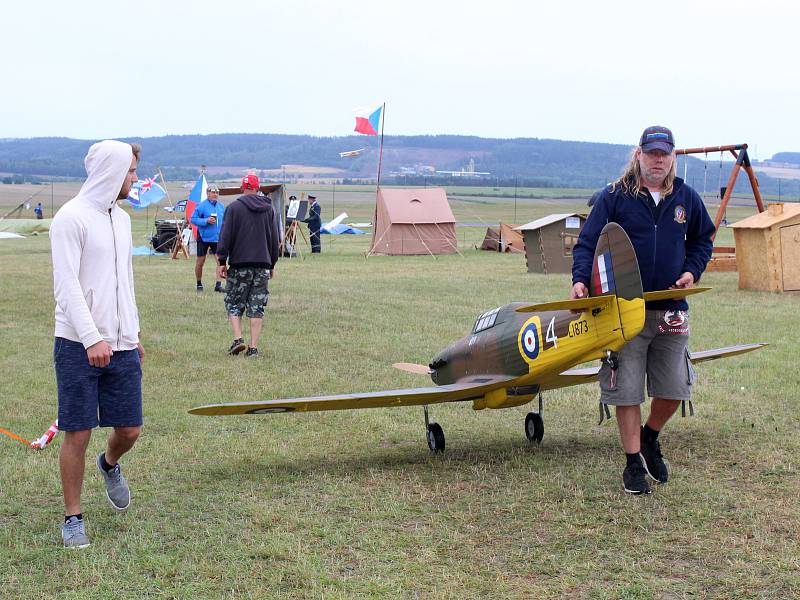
(602, 274)
(368, 125)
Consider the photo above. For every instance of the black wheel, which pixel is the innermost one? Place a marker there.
(435, 438)
(534, 427)
(164, 241)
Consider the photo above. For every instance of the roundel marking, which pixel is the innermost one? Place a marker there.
(528, 340)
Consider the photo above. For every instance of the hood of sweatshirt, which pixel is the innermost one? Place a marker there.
(107, 163)
(255, 202)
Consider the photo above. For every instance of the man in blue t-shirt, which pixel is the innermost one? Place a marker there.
(208, 219)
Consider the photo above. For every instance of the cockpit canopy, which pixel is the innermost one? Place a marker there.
(486, 320)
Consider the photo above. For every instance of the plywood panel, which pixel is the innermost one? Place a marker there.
(751, 259)
(790, 258)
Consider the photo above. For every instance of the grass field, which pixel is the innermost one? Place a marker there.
(353, 504)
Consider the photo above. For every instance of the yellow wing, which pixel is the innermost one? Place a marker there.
(475, 387)
(576, 305)
(673, 294)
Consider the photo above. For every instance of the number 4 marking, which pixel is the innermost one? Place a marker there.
(551, 333)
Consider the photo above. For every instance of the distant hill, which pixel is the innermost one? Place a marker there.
(525, 161)
(786, 157)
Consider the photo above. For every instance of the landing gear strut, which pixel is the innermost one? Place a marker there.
(434, 433)
(534, 424)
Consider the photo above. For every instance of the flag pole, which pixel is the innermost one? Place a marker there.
(378, 186)
(380, 154)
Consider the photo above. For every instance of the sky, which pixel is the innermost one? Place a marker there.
(716, 72)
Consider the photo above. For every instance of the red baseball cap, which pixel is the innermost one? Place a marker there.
(250, 182)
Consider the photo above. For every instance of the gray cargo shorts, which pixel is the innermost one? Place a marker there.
(659, 356)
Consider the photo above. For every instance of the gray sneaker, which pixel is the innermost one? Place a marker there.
(116, 486)
(74, 535)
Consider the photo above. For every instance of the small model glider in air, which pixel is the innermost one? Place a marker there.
(351, 153)
(517, 351)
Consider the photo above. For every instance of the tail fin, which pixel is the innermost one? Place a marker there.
(615, 271)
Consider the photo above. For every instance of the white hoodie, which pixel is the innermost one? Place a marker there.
(92, 260)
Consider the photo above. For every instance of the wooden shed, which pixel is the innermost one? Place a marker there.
(549, 242)
(768, 249)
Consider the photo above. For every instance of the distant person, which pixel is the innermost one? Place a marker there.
(97, 352)
(247, 252)
(38, 211)
(671, 233)
(314, 221)
(208, 217)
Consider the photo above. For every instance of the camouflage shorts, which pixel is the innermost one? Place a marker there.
(246, 291)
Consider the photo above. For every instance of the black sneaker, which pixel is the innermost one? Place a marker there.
(218, 287)
(634, 479)
(237, 346)
(199, 287)
(253, 352)
(654, 462)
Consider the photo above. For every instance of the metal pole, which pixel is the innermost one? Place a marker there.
(52, 210)
(380, 155)
(333, 214)
(515, 198)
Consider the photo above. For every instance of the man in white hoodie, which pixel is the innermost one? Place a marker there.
(97, 352)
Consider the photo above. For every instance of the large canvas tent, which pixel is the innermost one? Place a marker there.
(413, 221)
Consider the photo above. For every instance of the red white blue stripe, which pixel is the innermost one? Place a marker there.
(602, 274)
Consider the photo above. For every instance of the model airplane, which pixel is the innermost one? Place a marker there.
(517, 351)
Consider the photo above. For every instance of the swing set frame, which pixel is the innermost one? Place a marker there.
(739, 152)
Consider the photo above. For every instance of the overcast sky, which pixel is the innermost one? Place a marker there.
(716, 72)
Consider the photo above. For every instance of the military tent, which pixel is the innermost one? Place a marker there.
(503, 239)
(413, 221)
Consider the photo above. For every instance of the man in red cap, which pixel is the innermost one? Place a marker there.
(247, 252)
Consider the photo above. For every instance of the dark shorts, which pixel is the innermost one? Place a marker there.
(90, 396)
(204, 247)
(657, 357)
(246, 291)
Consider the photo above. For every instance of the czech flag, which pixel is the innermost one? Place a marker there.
(369, 125)
(196, 196)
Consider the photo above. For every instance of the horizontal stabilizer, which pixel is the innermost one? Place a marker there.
(470, 389)
(705, 355)
(675, 294)
(576, 305)
(589, 374)
(413, 368)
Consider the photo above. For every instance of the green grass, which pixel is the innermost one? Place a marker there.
(352, 504)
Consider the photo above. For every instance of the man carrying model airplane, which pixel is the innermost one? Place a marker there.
(671, 233)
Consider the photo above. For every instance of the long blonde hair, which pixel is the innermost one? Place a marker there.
(632, 182)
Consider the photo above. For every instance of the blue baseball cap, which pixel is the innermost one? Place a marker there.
(657, 138)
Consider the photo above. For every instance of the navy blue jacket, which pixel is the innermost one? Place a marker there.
(314, 218)
(680, 241)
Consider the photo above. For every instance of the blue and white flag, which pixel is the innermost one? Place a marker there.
(147, 192)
